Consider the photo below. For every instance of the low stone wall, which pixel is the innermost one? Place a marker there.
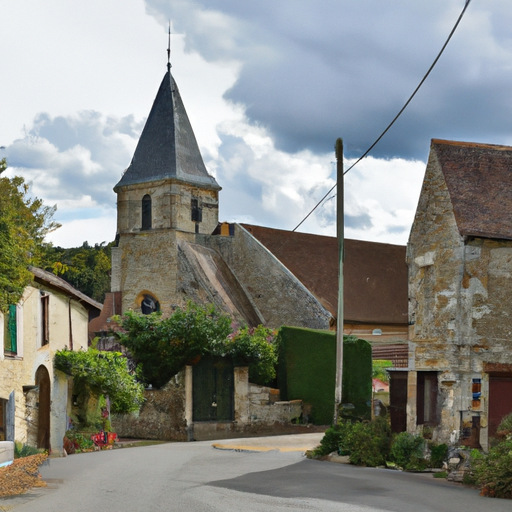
(162, 416)
(266, 408)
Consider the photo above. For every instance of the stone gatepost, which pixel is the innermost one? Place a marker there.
(242, 411)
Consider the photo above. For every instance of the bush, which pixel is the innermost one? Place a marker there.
(407, 451)
(505, 426)
(255, 347)
(438, 454)
(366, 443)
(96, 373)
(25, 450)
(493, 472)
(330, 442)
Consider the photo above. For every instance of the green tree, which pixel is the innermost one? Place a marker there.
(24, 223)
(162, 346)
(87, 268)
(255, 347)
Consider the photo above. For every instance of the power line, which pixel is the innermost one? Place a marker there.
(365, 154)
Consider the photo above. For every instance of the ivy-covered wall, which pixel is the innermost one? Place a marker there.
(307, 371)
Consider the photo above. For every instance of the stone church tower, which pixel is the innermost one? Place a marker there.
(165, 195)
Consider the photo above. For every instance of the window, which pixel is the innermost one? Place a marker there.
(45, 331)
(149, 305)
(10, 330)
(426, 398)
(196, 211)
(146, 212)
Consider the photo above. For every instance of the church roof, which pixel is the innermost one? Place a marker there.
(167, 147)
(375, 274)
(479, 181)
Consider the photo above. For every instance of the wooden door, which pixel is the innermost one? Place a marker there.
(43, 421)
(398, 401)
(213, 390)
(500, 399)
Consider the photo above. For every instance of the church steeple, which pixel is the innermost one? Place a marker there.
(167, 147)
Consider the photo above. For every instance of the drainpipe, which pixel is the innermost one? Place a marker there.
(70, 326)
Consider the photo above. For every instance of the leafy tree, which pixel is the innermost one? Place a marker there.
(255, 347)
(102, 373)
(87, 268)
(24, 223)
(162, 346)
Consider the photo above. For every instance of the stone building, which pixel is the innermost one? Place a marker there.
(171, 248)
(459, 383)
(34, 399)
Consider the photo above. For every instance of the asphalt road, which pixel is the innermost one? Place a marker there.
(196, 477)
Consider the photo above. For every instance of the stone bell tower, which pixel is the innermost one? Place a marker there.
(165, 195)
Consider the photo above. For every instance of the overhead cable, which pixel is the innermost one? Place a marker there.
(365, 154)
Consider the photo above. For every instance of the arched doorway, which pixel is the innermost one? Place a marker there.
(43, 422)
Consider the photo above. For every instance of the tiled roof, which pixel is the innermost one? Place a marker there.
(167, 147)
(479, 181)
(375, 274)
(59, 283)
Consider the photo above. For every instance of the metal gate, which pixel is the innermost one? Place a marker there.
(213, 390)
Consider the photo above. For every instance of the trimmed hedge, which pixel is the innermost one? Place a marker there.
(307, 371)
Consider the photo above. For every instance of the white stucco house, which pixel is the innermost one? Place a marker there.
(34, 399)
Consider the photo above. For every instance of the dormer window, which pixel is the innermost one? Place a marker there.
(196, 211)
(146, 212)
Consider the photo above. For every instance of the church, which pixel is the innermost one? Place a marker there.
(171, 248)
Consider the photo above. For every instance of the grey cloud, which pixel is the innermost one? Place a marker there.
(397, 229)
(67, 158)
(314, 71)
(361, 221)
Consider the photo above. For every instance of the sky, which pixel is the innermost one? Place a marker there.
(268, 86)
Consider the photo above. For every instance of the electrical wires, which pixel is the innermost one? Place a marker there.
(365, 154)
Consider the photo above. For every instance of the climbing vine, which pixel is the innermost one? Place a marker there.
(102, 373)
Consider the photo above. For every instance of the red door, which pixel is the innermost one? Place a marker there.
(500, 399)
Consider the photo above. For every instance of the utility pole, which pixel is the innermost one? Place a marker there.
(340, 233)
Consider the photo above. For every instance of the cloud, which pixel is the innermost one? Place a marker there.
(312, 72)
(75, 161)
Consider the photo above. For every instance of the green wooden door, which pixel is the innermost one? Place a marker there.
(213, 390)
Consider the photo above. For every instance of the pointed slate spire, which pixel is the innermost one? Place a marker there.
(167, 147)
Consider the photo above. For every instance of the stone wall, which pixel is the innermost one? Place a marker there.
(167, 413)
(162, 416)
(459, 295)
(278, 296)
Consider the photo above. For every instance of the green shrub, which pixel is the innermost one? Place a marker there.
(493, 472)
(506, 424)
(367, 443)
(25, 450)
(438, 454)
(330, 442)
(407, 451)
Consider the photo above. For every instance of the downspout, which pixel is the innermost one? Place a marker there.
(70, 326)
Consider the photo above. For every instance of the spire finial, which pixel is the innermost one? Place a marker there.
(169, 49)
